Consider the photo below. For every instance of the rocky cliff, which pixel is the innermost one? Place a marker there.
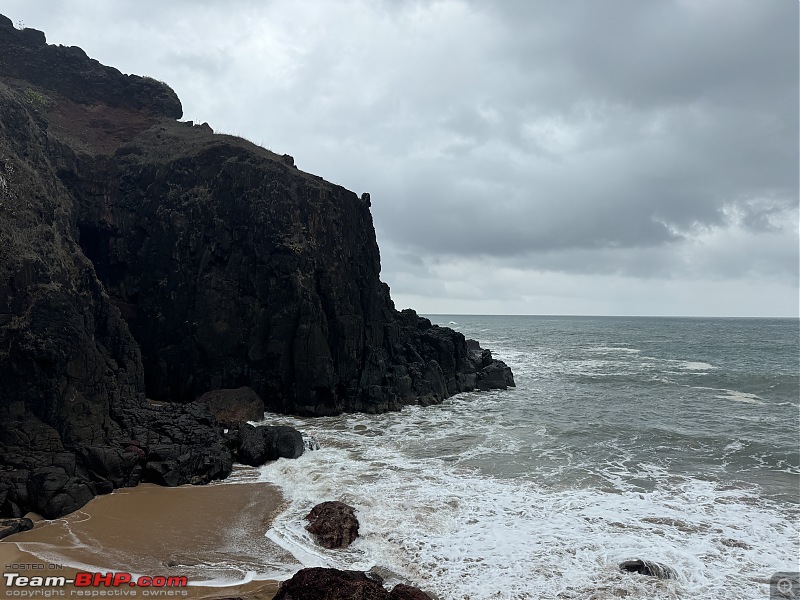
(142, 257)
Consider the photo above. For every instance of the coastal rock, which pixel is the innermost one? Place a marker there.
(330, 584)
(231, 406)
(648, 567)
(406, 592)
(256, 445)
(144, 258)
(334, 524)
(12, 526)
(231, 268)
(334, 584)
(52, 492)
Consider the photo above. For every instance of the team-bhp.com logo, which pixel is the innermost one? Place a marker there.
(93, 585)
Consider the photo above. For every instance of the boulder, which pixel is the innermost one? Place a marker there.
(230, 406)
(334, 524)
(334, 584)
(254, 446)
(12, 526)
(648, 567)
(406, 592)
(495, 376)
(52, 492)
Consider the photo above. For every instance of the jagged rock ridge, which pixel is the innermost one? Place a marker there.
(140, 255)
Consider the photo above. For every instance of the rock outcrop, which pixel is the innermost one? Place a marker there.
(144, 257)
(232, 268)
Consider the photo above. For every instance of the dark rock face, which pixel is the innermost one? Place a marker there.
(334, 524)
(231, 406)
(68, 71)
(232, 268)
(333, 584)
(648, 567)
(142, 256)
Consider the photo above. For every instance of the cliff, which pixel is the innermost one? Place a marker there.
(145, 257)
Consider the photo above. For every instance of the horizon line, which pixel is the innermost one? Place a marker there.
(455, 314)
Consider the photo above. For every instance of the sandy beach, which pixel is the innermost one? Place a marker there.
(212, 535)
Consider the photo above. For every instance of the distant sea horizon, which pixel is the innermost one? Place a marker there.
(431, 314)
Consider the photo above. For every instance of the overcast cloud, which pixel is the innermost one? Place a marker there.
(581, 157)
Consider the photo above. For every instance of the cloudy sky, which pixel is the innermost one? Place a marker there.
(615, 157)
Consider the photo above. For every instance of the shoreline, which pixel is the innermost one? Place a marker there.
(211, 535)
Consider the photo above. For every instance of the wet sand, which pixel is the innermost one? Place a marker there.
(213, 535)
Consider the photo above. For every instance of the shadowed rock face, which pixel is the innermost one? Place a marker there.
(140, 257)
(232, 268)
(229, 407)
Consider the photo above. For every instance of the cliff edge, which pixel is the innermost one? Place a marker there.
(143, 257)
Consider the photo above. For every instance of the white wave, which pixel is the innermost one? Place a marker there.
(741, 397)
(695, 366)
(614, 349)
(464, 535)
(734, 395)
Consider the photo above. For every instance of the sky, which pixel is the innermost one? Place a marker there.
(594, 158)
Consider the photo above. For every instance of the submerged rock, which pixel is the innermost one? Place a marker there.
(648, 567)
(334, 524)
(310, 442)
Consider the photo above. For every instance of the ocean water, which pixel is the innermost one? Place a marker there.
(673, 440)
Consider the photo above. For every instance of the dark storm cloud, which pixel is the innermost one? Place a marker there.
(633, 139)
(681, 111)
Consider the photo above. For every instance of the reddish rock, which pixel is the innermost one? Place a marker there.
(333, 584)
(333, 523)
(406, 592)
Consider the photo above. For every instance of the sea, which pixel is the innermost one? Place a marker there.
(674, 440)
